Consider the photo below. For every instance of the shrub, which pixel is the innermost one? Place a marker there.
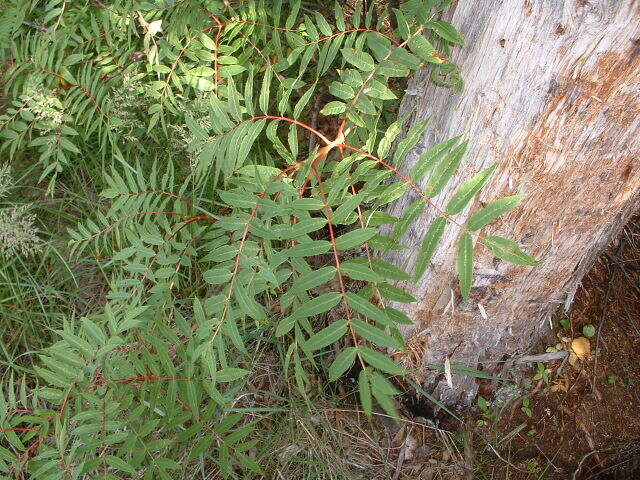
(223, 232)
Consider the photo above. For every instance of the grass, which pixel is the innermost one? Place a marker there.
(37, 292)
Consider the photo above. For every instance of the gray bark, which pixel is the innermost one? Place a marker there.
(552, 95)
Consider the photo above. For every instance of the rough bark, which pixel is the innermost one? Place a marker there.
(552, 95)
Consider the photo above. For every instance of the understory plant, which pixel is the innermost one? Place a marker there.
(246, 152)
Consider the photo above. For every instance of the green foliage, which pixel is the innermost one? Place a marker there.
(214, 214)
(589, 331)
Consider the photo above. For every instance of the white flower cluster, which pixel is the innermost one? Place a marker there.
(184, 140)
(126, 100)
(18, 234)
(47, 108)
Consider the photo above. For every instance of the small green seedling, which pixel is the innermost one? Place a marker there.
(542, 373)
(526, 407)
(588, 331)
(485, 411)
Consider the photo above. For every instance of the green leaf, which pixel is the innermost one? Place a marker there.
(366, 308)
(376, 89)
(94, 332)
(78, 343)
(323, 25)
(375, 335)
(247, 304)
(383, 392)
(366, 106)
(355, 238)
(119, 464)
(379, 45)
(312, 31)
(342, 363)
(333, 108)
(303, 227)
(396, 316)
(230, 374)
(263, 99)
(285, 325)
(364, 389)
(313, 279)
(386, 402)
(304, 100)
(339, 16)
(465, 265)
(588, 331)
(202, 72)
(467, 191)
(388, 270)
(422, 48)
(508, 250)
(217, 276)
(445, 170)
(381, 361)
(207, 42)
(357, 271)
(447, 31)
(345, 213)
(409, 217)
(390, 135)
(430, 159)
(492, 211)
(309, 249)
(327, 335)
(342, 90)
(397, 294)
(405, 58)
(408, 142)
(52, 378)
(380, 383)
(429, 245)
(359, 59)
(231, 70)
(403, 25)
(307, 204)
(318, 305)
(392, 192)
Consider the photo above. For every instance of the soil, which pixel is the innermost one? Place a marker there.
(584, 423)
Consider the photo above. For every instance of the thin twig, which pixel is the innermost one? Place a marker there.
(584, 458)
(506, 461)
(543, 357)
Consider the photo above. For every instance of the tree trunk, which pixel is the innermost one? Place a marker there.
(552, 95)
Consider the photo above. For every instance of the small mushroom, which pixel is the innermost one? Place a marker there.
(581, 347)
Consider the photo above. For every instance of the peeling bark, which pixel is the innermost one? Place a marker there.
(552, 94)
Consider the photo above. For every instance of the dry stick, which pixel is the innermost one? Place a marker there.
(584, 458)
(590, 441)
(505, 460)
(543, 357)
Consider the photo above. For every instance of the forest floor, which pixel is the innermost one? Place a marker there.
(575, 420)
(584, 423)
